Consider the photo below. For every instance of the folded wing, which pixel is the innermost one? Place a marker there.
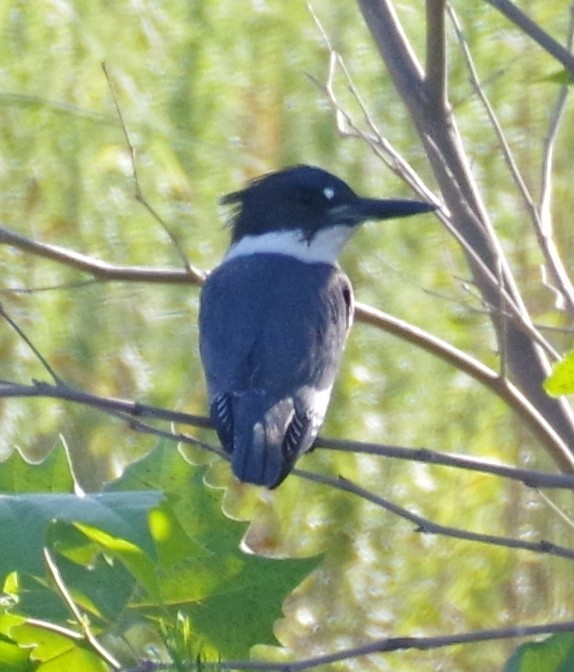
(270, 357)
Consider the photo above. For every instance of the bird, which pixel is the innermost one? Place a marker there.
(275, 314)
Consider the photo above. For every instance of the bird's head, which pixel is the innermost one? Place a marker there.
(305, 211)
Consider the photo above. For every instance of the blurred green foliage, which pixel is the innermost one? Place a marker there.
(553, 654)
(152, 549)
(213, 93)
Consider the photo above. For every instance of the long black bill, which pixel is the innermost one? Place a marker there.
(374, 208)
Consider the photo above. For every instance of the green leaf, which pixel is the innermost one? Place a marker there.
(32, 648)
(32, 597)
(561, 380)
(562, 77)
(55, 652)
(53, 474)
(231, 598)
(554, 654)
(166, 556)
(101, 589)
(25, 520)
(14, 659)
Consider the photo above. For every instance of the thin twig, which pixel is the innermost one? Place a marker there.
(346, 126)
(557, 510)
(540, 216)
(133, 414)
(179, 437)
(531, 479)
(384, 645)
(380, 145)
(502, 387)
(400, 167)
(139, 195)
(38, 289)
(559, 282)
(55, 628)
(403, 643)
(426, 526)
(80, 618)
(108, 404)
(32, 347)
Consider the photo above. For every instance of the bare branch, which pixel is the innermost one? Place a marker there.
(527, 362)
(133, 412)
(559, 281)
(502, 387)
(384, 645)
(436, 54)
(139, 195)
(557, 510)
(426, 526)
(100, 270)
(396, 644)
(391, 40)
(506, 306)
(108, 272)
(540, 217)
(531, 479)
(108, 404)
(533, 30)
(347, 127)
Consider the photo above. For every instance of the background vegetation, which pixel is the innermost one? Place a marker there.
(213, 93)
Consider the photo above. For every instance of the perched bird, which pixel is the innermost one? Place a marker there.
(275, 314)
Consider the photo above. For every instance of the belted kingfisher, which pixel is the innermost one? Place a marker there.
(275, 314)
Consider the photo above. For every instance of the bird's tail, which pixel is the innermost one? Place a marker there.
(262, 452)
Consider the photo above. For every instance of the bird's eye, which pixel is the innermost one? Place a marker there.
(305, 196)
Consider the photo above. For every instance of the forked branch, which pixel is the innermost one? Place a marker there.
(524, 361)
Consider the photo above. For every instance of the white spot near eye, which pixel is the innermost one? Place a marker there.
(329, 193)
